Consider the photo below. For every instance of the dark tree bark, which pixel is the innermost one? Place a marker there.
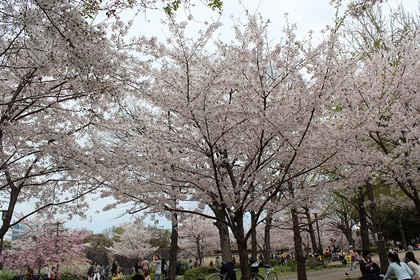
(311, 230)
(364, 227)
(253, 237)
(377, 229)
(225, 245)
(300, 259)
(242, 247)
(267, 239)
(173, 252)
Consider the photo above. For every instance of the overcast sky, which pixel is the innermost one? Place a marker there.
(307, 14)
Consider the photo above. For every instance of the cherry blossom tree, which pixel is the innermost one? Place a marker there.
(59, 75)
(198, 237)
(230, 127)
(134, 242)
(380, 108)
(344, 217)
(43, 243)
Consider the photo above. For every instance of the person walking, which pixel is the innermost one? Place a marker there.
(158, 267)
(91, 272)
(400, 269)
(114, 267)
(348, 261)
(353, 257)
(413, 264)
(96, 271)
(106, 272)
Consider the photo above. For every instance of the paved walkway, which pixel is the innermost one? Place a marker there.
(327, 274)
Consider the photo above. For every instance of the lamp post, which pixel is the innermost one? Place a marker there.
(3, 218)
(319, 236)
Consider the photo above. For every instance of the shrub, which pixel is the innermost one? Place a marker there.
(69, 275)
(273, 263)
(292, 263)
(6, 275)
(129, 277)
(311, 262)
(181, 268)
(326, 262)
(195, 273)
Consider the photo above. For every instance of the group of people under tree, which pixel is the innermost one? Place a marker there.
(97, 271)
(142, 269)
(403, 270)
(47, 273)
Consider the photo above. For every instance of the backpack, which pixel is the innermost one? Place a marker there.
(90, 271)
(227, 267)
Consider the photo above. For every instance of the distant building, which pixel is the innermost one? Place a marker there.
(16, 232)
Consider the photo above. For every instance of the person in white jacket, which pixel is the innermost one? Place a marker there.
(400, 269)
(158, 266)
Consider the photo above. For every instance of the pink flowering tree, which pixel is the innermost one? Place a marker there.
(231, 128)
(198, 237)
(134, 242)
(56, 68)
(380, 107)
(42, 243)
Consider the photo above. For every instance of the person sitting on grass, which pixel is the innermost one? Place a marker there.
(369, 269)
(400, 269)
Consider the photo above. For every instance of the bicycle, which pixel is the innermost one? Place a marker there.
(218, 276)
(270, 274)
(223, 275)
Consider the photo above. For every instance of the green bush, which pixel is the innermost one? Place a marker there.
(327, 261)
(196, 273)
(273, 263)
(182, 268)
(311, 262)
(129, 277)
(6, 275)
(373, 250)
(69, 275)
(199, 272)
(292, 263)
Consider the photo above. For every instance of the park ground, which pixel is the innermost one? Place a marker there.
(339, 273)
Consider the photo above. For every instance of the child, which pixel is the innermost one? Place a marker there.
(348, 260)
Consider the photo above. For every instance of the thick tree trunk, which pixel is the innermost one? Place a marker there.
(402, 232)
(300, 259)
(173, 251)
(225, 246)
(253, 237)
(364, 229)
(243, 260)
(13, 197)
(242, 248)
(377, 230)
(200, 256)
(311, 230)
(267, 240)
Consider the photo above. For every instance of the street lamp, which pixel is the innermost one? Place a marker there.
(3, 218)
